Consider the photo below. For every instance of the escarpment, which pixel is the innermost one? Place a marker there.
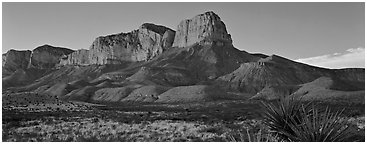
(143, 44)
(154, 63)
(79, 57)
(207, 27)
(47, 56)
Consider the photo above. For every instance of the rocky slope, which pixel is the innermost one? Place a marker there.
(329, 88)
(274, 70)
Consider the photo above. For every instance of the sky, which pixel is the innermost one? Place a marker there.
(322, 34)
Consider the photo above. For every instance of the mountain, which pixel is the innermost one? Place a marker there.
(14, 60)
(47, 56)
(42, 57)
(154, 63)
(274, 70)
(147, 42)
(24, 67)
(207, 26)
(79, 57)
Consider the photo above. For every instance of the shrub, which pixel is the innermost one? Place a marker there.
(293, 121)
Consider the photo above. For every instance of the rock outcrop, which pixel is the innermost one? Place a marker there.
(14, 60)
(204, 62)
(139, 45)
(42, 57)
(79, 57)
(47, 56)
(207, 27)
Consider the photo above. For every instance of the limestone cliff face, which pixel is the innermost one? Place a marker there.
(113, 48)
(168, 38)
(139, 45)
(79, 57)
(206, 28)
(151, 40)
(13, 60)
(42, 57)
(47, 56)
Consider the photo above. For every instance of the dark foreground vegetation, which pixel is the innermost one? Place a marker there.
(239, 120)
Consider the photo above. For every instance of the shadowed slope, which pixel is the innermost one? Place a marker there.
(277, 71)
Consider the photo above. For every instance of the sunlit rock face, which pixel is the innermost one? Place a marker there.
(205, 28)
(143, 44)
(79, 57)
(47, 56)
(13, 60)
(42, 57)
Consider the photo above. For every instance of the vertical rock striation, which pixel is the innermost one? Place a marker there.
(47, 56)
(14, 60)
(207, 28)
(139, 45)
(151, 40)
(79, 57)
(42, 57)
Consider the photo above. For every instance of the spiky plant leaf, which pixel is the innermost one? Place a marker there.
(293, 121)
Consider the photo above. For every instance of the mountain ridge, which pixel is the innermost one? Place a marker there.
(198, 59)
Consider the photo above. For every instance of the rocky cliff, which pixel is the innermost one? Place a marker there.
(14, 60)
(139, 45)
(151, 40)
(79, 57)
(42, 57)
(207, 26)
(47, 56)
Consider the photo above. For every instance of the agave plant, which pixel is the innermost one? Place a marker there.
(293, 121)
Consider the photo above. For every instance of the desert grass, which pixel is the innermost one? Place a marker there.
(96, 129)
(79, 129)
(148, 124)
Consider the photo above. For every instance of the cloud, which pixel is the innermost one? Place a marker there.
(351, 58)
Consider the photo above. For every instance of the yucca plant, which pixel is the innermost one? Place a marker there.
(293, 121)
(322, 127)
(281, 114)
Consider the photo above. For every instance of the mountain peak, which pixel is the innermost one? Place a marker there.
(155, 28)
(53, 49)
(211, 14)
(46, 45)
(207, 27)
